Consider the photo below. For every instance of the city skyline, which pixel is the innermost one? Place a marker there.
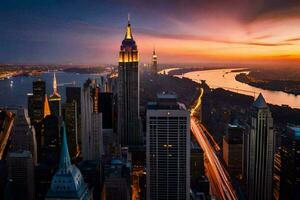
(247, 32)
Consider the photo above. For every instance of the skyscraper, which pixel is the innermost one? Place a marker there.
(290, 162)
(128, 92)
(168, 149)
(37, 101)
(23, 137)
(74, 94)
(260, 152)
(154, 62)
(67, 182)
(70, 118)
(21, 172)
(91, 122)
(233, 149)
(55, 99)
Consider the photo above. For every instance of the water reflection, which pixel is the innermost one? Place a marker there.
(224, 78)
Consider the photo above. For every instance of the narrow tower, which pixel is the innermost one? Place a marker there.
(154, 62)
(128, 92)
(55, 99)
(260, 152)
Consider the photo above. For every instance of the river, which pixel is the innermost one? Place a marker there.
(224, 78)
(13, 91)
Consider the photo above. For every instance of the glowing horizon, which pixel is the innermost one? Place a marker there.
(183, 32)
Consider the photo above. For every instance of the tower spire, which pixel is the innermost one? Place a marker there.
(128, 34)
(64, 160)
(54, 83)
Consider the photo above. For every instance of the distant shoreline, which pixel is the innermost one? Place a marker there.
(290, 87)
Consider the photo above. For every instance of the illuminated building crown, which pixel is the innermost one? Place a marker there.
(128, 49)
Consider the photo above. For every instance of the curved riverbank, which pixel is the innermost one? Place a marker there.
(290, 87)
(225, 78)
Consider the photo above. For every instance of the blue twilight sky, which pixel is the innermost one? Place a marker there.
(90, 31)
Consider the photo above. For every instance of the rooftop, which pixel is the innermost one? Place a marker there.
(260, 102)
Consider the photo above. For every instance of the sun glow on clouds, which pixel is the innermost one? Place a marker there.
(226, 39)
(183, 31)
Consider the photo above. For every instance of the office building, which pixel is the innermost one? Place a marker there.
(20, 166)
(128, 93)
(91, 122)
(233, 149)
(55, 100)
(37, 101)
(70, 118)
(50, 140)
(168, 149)
(260, 152)
(23, 137)
(290, 163)
(74, 94)
(67, 183)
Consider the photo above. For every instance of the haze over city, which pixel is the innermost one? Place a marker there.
(232, 31)
(150, 100)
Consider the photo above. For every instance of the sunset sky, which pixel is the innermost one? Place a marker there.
(190, 31)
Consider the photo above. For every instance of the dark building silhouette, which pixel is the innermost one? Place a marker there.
(21, 171)
(233, 149)
(74, 94)
(37, 101)
(49, 141)
(290, 164)
(197, 163)
(70, 118)
(106, 108)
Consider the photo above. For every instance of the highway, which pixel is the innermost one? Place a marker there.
(217, 173)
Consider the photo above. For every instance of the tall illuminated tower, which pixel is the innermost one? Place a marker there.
(154, 62)
(55, 99)
(128, 92)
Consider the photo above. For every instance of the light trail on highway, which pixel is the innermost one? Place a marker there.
(215, 169)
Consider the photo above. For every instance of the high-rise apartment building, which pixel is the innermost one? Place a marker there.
(128, 92)
(168, 149)
(260, 152)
